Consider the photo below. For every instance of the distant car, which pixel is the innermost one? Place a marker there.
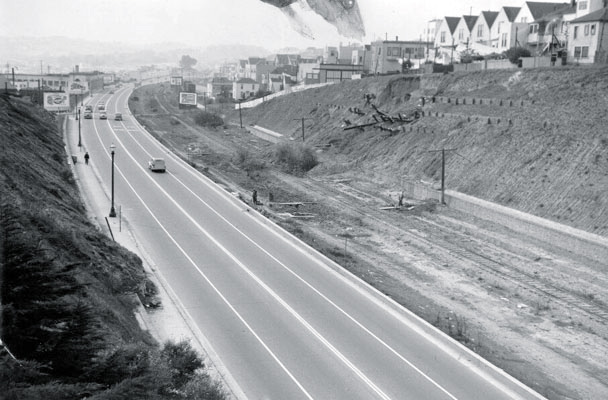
(88, 108)
(101, 107)
(111, 92)
(88, 116)
(103, 116)
(118, 117)
(157, 165)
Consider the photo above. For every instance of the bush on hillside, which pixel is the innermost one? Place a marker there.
(207, 119)
(295, 158)
(515, 53)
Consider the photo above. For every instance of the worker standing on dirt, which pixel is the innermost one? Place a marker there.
(86, 158)
(254, 196)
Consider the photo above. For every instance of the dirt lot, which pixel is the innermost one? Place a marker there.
(526, 305)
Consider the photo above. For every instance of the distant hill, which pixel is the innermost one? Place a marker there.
(62, 54)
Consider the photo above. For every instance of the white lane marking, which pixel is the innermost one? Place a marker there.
(269, 290)
(191, 261)
(433, 340)
(337, 307)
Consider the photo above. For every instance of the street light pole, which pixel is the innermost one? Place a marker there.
(79, 136)
(112, 210)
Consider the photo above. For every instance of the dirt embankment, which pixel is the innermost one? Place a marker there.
(551, 161)
(481, 283)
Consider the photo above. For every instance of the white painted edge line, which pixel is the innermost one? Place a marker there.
(238, 262)
(363, 287)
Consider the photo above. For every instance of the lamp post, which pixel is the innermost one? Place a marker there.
(112, 210)
(79, 137)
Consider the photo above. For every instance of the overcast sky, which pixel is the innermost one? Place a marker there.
(210, 22)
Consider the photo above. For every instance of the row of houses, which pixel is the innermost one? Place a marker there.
(247, 77)
(575, 30)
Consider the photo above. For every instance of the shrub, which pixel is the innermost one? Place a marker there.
(295, 159)
(515, 53)
(204, 118)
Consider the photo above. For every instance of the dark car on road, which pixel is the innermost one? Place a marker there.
(118, 117)
(88, 116)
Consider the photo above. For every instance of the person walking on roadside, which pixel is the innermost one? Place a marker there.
(86, 158)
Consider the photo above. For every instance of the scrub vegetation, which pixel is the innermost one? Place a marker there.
(68, 293)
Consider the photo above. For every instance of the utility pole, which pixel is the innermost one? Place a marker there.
(302, 119)
(240, 115)
(442, 170)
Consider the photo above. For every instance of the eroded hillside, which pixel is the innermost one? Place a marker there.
(533, 140)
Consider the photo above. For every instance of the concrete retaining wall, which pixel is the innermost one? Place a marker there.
(579, 242)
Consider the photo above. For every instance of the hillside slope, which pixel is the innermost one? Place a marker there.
(546, 157)
(68, 293)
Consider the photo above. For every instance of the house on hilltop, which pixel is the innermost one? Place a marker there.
(244, 88)
(464, 29)
(445, 40)
(505, 32)
(589, 43)
(481, 32)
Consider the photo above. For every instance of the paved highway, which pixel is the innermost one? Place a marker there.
(286, 322)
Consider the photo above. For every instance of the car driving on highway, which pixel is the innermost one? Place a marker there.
(157, 165)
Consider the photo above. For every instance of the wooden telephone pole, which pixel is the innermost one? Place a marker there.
(442, 170)
(302, 119)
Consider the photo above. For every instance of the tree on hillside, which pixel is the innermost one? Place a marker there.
(187, 62)
(514, 54)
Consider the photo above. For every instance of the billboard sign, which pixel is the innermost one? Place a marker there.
(78, 87)
(186, 98)
(176, 81)
(56, 101)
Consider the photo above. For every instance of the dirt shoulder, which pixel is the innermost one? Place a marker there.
(483, 284)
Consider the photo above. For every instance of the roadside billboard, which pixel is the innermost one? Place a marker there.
(187, 99)
(78, 87)
(176, 81)
(56, 101)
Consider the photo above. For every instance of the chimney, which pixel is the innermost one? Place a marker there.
(77, 68)
(396, 38)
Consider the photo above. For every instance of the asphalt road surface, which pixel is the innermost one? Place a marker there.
(286, 322)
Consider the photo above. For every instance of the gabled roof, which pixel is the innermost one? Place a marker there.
(599, 15)
(559, 14)
(246, 80)
(452, 23)
(470, 20)
(539, 9)
(490, 17)
(511, 12)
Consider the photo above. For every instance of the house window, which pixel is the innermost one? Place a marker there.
(582, 5)
(587, 30)
(442, 40)
(499, 24)
(394, 52)
(575, 33)
(524, 19)
(581, 52)
(461, 34)
(592, 29)
(503, 42)
(479, 30)
(533, 28)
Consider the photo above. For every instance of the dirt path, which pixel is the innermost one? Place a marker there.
(481, 283)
